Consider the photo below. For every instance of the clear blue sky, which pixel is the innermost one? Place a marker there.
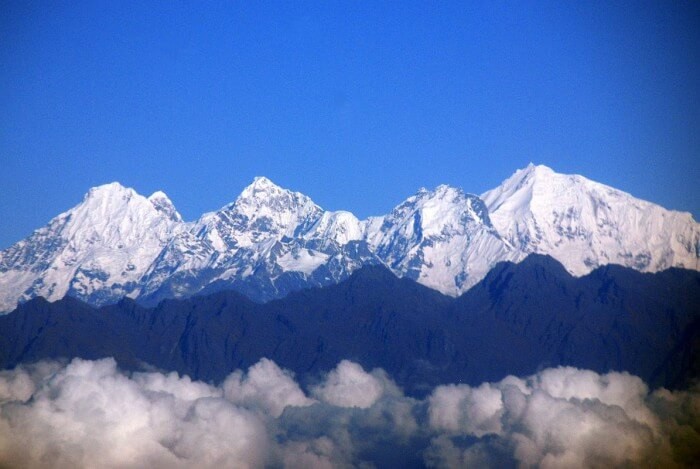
(357, 104)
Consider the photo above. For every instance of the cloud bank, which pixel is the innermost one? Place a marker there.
(90, 414)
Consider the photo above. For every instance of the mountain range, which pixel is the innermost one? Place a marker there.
(272, 241)
(550, 305)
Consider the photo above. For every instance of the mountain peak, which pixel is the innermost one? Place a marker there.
(517, 190)
(446, 188)
(585, 224)
(110, 186)
(96, 250)
(163, 204)
(536, 170)
(261, 183)
(158, 195)
(263, 190)
(113, 198)
(262, 211)
(445, 198)
(109, 190)
(443, 192)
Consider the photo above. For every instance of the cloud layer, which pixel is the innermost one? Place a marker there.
(90, 414)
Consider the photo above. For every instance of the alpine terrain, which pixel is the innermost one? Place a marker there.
(271, 241)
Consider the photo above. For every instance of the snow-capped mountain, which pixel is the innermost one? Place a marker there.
(97, 251)
(584, 224)
(271, 241)
(267, 243)
(442, 239)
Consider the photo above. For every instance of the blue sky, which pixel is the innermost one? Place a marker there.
(356, 104)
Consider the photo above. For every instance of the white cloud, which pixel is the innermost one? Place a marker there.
(267, 387)
(89, 414)
(348, 385)
(463, 409)
(560, 417)
(317, 454)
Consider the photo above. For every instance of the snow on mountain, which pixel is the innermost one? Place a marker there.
(340, 227)
(584, 224)
(443, 239)
(262, 212)
(305, 261)
(271, 241)
(163, 204)
(266, 243)
(96, 251)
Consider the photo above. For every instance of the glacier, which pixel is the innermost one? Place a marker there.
(271, 241)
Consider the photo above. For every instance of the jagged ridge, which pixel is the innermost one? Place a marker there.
(271, 241)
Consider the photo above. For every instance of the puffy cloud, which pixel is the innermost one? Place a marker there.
(348, 385)
(20, 383)
(90, 414)
(317, 454)
(267, 387)
(560, 417)
(462, 409)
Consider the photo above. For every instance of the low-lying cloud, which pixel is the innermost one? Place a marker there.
(90, 414)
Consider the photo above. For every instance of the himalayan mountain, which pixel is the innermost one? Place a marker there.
(272, 241)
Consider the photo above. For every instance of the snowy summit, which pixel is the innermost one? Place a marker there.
(271, 241)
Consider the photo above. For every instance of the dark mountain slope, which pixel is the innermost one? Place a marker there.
(521, 317)
(612, 319)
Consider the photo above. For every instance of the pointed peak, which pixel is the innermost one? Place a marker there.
(264, 192)
(443, 188)
(536, 169)
(115, 195)
(261, 186)
(163, 204)
(531, 174)
(158, 195)
(444, 195)
(261, 182)
(424, 192)
(111, 189)
(441, 192)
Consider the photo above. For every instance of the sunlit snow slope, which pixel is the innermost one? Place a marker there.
(271, 241)
(97, 251)
(584, 224)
